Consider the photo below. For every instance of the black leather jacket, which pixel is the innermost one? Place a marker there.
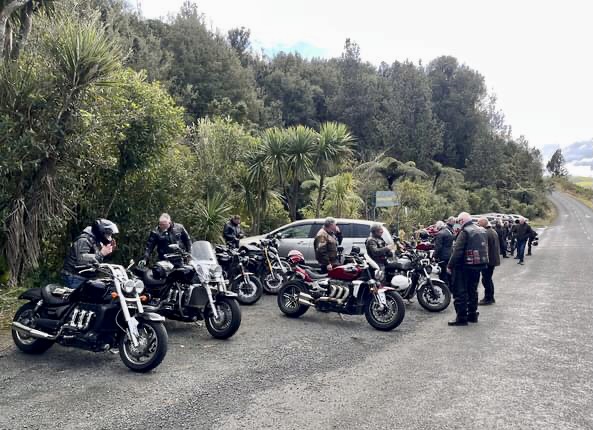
(471, 248)
(443, 245)
(176, 234)
(232, 233)
(377, 249)
(85, 249)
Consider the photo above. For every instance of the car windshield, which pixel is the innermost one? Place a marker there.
(202, 251)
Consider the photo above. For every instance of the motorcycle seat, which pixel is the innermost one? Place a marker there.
(314, 275)
(49, 299)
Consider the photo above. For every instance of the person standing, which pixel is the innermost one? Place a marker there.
(493, 262)
(165, 234)
(532, 238)
(522, 233)
(376, 247)
(502, 238)
(451, 221)
(326, 245)
(443, 246)
(469, 258)
(232, 232)
(514, 238)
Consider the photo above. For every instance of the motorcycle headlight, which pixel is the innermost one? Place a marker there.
(202, 274)
(128, 286)
(379, 275)
(216, 272)
(138, 286)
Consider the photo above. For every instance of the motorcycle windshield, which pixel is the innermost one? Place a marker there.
(203, 251)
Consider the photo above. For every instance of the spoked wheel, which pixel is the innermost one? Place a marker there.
(434, 299)
(228, 321)
(385, 316)
(248, 291)
(288, 300)
(26, 343)
(273, 281)
(151, 348)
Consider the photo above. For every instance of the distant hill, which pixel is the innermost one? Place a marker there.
(582, 181)
(578, 156)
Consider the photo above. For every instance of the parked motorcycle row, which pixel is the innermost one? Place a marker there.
(123, 309)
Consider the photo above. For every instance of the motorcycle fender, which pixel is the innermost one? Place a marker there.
(227, 294)
(383, 289)
(239, 276)
(150, 316)
(31, 294)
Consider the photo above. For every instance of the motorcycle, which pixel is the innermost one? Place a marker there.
(234, 264)
(104, 313)
(190, 287)
(353, 288)
(410, 274)
(267, 264)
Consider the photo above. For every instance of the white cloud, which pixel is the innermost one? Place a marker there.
(535, 55)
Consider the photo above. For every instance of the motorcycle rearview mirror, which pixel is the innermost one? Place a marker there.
(132, 262)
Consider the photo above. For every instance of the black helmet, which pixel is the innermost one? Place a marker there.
(424, 235)
(102, 228)
(355, 250)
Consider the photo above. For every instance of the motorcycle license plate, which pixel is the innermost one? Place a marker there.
(382, 299)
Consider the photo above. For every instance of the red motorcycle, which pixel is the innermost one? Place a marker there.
(353, 288)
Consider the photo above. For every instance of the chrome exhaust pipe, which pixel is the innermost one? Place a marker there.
(306, 296)
(305, 302)
(33, 332)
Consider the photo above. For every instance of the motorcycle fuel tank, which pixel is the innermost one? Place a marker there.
(400, 282)
(347, 272)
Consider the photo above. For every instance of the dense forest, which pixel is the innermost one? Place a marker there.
(106, 114)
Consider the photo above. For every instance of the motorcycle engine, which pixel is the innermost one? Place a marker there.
(400, 282)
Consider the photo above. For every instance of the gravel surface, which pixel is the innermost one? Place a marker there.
(527, 364)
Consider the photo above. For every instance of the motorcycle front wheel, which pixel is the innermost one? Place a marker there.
(151, 348)
(272, 282)
(228, 321)
(386, 317)
(248, 292)
(434, 299)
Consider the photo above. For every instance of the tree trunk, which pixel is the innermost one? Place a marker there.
(5, 13)
(27, 24)
(319, 195)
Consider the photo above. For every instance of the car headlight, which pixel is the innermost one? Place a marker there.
(128, 286)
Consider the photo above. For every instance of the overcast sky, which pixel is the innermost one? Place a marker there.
(536, 56)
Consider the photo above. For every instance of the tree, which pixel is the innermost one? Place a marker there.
(299, 163)
(332, 149)
(556, 165)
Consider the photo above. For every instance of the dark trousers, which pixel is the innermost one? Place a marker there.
(465, 291)
(513, 246)
(444, 276)
(488, 283)
(521, 249)
(72, 281)
(529, 247)
(503, 248)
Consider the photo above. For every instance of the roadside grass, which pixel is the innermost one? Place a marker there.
(582, 194)
(546, 220)
(9, 303)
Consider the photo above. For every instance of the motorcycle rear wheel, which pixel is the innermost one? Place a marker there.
(229, 318)
(247, 293)
(430, 303)
(26, 343)
(154, 338)
(388, 318)
(288, 300)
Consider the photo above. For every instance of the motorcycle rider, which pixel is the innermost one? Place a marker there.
(532, 238)
(493, 261)
(165, 234)
(92, 246)
(376, 247)
(513, 235)
(501, 231)
(469, 258)
(451, 224)
(232, 231)
(443, 245)
(326, 245)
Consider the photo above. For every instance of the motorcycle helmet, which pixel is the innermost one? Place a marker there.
(424, 235)
(355, 250)
(103, 229)
(296, 257)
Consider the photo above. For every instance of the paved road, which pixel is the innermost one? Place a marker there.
(527, 364)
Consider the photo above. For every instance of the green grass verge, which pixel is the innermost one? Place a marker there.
(9, 303)
(546, 220)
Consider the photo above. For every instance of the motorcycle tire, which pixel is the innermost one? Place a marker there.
(288, 299)
(272, 282)
(424, 296)
(247, 297)
(158, 349)
(223, 328)
(28, 344)
(371, 313)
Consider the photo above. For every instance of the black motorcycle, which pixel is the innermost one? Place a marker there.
(190, 287)
(104, 313)
(266, 263)
(410, 274)
(234, 264)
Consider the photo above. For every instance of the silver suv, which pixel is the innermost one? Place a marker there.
(301, 234)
